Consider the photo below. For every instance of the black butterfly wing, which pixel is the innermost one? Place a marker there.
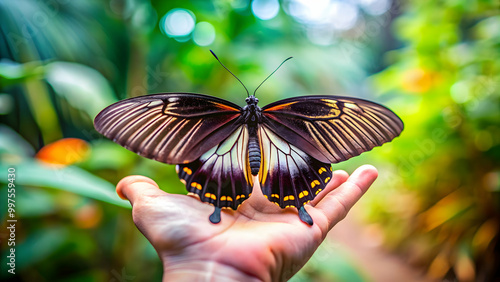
(332, 129)
(289, 177)
(221, 175)
(171, 128)
(300, 138)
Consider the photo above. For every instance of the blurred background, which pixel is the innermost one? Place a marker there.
(433, 214)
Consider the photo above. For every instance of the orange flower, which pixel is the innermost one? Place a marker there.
(66, 151)
(417, 80)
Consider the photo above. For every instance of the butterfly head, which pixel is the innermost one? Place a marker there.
(252, 100)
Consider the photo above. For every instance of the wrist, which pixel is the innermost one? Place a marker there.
(204, 271)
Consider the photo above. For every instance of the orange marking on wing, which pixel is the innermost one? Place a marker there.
(279, 107)
(226, 108)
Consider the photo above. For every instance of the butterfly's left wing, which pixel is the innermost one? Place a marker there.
(172, 127)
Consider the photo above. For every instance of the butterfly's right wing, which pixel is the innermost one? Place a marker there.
(172, 128)
(332, 129)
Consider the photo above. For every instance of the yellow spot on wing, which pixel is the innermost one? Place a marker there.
(321, 170)
(196, 185)
(210, 195)
(334, 108)
(319, 190)
(226, 198)
(314, 183)
(327, 179)
(303, 194)
(275, 196)
(289, 198)
(187, 170)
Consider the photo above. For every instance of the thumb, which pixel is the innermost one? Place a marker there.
(134, 187)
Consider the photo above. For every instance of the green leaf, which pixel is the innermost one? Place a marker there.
(37, 246)
(14, 72)
(82, 87)
(71, 179)
(11, 143)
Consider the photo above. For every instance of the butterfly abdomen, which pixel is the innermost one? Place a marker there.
(254, 156)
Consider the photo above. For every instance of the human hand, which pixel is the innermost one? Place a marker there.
(257, 242)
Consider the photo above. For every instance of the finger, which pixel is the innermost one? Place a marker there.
(338, 177)
(338, 202)
(132, 187)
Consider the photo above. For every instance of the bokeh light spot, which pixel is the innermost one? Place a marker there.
(177, 23)
(309, 12)
(322, 36)
(375, 7)
(343, 15)
(324, 20)
(417, 80)
(461, 92)
(88, 216)
(265, 9)
(204, 34)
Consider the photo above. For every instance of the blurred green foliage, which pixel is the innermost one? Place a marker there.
(435, 63)
(446, 215)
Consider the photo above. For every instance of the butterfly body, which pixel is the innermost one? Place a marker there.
(220, 147)
(252, 114)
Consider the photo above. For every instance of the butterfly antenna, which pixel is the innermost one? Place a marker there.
(271, 74)
(248, 93)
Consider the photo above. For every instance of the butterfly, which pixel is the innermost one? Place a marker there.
(219, 147)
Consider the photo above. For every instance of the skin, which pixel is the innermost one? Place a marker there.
(258, 242)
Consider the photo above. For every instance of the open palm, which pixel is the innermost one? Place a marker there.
(257, 242)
